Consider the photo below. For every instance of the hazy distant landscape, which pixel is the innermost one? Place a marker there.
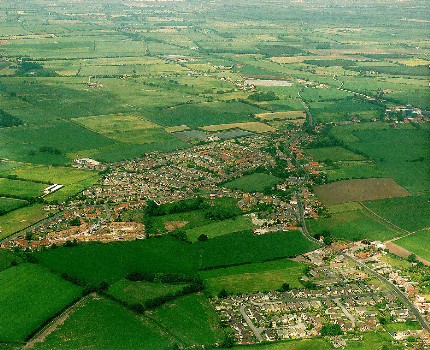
(214, 174)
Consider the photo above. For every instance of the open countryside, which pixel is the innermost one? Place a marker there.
(214, 174)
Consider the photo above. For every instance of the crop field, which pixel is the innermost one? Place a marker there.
(256, 182)
(29, 296)
(98, 262)
(104, 324)
(353, 225)
(239, 223)
(9, 204)
(21, 218)
(251, 278)
(250, 126)
(415, 243)
(190, 318)
(140, 291)
(359, 190)
(409, 213)
(334, 154)
(245, 247)
(21, 189)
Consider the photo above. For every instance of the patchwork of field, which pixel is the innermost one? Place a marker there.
(251, 278)
(250, 126)
(29, 296)
(359, 190)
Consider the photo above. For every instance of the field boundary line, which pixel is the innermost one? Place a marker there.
(40, 336)
(389, 223)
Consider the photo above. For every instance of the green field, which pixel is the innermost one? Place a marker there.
(21, 218)
(256, 182)
(21, 189)
(104, 324)
(29, 296)
(190, 318)
(7, 258)
(417, 243)
(409, 213)
(353, 225)
(303, 344)
(9, 204)
(251, 278)
(245, 247)
(333, 154)
(239, 223)
(97, 262)
(400, 327)
(73, 180)
(353, 170)
(140, 291)
(401, 153)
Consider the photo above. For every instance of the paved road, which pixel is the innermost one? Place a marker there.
(255, 330)
(396, 289)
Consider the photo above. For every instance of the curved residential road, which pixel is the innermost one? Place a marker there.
(396, 289)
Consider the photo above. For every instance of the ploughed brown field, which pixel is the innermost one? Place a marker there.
(358, 190)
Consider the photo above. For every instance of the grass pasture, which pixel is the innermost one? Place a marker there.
(73, 180)
(409, 213)
(239, 223)
(417, 243)
(21, 218)
(302, 344)
(104, 324)
(97, 262)
(334, 154)
(359, 190)
(21, 189)
(140, 291)
(353, 225)
(190, 318)
(29, 296)
(249, 126)
(9, 204)
(256, 277)
(123, 128)
(245, 247)
(256, 182)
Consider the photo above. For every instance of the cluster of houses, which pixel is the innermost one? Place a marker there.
(345, 295)
(373, 256)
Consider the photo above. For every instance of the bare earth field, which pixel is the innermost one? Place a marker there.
(357, 190)
(403, 253)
